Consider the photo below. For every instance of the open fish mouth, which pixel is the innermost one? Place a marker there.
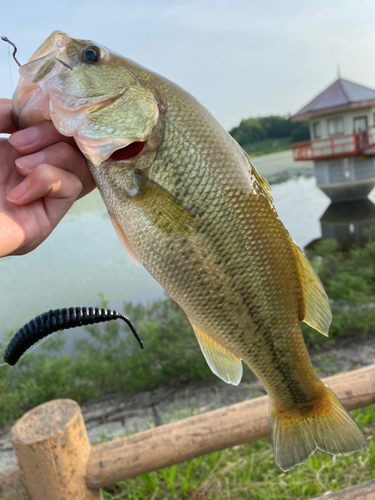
(31, 98)
(53, 86)
(40, 84)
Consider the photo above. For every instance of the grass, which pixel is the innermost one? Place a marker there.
(249, 472)
(267, 146)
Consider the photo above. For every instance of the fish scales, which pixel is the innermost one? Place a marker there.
(194, 211)
(252, 250)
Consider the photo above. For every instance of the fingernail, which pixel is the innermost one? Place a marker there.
(23, 138)
(18, 192)
(29, 162)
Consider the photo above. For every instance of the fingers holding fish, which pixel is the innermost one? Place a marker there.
(63, 156)
(48, 182)
(39, 136)
(33, 200)
(41, 201)
(32, 206)
(7, 125)
(42, 143)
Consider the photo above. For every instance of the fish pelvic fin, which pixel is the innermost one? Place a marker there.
(222, 361)
(315, 308)
(322, 425)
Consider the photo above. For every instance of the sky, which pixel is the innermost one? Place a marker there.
(239, 58)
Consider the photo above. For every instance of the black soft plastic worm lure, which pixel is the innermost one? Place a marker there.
(55, 320)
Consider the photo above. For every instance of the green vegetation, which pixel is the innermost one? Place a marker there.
(267, 146)
(349, 280)
(112, 362)
(269, 134)
(248, 472)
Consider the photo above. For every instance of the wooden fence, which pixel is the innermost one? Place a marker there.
(57, 462)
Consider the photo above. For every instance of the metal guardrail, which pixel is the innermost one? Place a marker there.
(57, 462)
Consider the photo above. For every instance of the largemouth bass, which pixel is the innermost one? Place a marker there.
(188, 204)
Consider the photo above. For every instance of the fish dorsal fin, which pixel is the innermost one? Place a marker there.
(125, 242)
(222, 361)
(258, 178)
(316, 310)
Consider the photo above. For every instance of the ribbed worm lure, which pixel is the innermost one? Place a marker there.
(59, 319)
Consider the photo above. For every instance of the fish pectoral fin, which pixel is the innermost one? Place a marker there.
(222, 361)
(316, 310)
(125, 242)
(164, 210)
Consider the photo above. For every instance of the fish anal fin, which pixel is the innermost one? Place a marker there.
(315, 308)
(222, 361)
(324, 424)
(125, 242)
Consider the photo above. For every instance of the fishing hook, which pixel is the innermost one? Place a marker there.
(6, 39)
(65, 64)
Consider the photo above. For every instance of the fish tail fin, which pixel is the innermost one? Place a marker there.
(325, 425)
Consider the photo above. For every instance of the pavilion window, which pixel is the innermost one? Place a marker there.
(360, 123)
(317, 130)
(335, 126)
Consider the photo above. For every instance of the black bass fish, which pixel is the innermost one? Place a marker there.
(188, 204)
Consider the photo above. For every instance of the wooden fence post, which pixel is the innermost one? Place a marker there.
(11, 485)
(53, 449)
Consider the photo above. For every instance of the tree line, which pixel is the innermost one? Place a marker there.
(269, 127)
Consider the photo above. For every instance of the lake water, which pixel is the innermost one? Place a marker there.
(83, 258)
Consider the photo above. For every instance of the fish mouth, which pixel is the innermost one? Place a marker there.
(47, 91)
(36, 89)
(30, 101)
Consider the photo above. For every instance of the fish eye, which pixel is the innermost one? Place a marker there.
(91, 54)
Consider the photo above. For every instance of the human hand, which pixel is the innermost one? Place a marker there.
(42, 174)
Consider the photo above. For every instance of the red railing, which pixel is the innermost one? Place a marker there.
(339, 146)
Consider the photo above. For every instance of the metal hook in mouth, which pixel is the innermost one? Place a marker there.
(64, 64)
(6, 39)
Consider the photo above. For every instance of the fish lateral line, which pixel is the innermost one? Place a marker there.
(57, 320)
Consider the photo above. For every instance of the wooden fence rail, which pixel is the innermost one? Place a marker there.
(56, 461)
